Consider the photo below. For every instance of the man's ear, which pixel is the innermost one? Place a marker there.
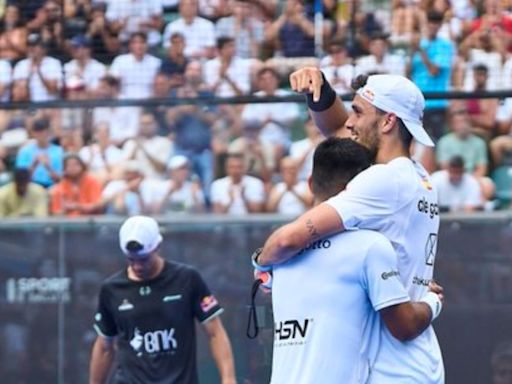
(389, 122)
(310, 183)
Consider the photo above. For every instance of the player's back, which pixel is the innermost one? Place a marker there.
(324, 302)
(398, 200)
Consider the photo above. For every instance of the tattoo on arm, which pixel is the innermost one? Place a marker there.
(313, 233)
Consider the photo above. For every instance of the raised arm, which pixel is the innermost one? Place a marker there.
(325, 107)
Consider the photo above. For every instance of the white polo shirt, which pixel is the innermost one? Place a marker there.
(238, 72)
(136, 76)
(398, 200)
(199, 34)
(91, 73)
(253, 188)
(50, 69)
(325, 304)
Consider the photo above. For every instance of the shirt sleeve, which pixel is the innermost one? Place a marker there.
(381, 276)
(205, 305)
(104, 322)
(473, 197)
(369, 199)
(481, 153)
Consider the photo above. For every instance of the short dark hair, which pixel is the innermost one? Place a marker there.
(111, 81)
(223, 40)
(21, 176)
(456, 161)
(142, 35)
(41, 124)
(481, 68)
(74, 156)
(435, 17)
(336, 161)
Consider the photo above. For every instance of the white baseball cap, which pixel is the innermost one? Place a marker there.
(143, 230)
(399, 95)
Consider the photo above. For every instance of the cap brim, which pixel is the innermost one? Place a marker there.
(419, 133)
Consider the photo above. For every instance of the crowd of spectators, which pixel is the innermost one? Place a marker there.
(232, 158)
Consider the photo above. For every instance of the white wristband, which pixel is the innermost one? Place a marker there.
(435, 304)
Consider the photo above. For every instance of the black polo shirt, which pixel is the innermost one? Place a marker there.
(154, 323)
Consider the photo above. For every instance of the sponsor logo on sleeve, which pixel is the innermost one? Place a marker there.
(387, 275)
(208, 303)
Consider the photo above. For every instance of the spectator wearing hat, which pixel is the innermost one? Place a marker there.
(78, 193)
(23, 198)
(13, 34)
(40, 156)
(39, 73)
(180, 193)
(136, 70)
(380, 60)
(83, 66)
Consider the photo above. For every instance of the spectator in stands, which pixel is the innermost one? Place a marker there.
(483, 47)
(276, 119)
(406, 21)
(74, 118)
(52, 29)
(462, 142)
(102, 158)
(430, 69)
(337, 67)
(293, 32)
(105, 43)
(482, 112)
(501, 146)
(228, 75)
(13, 34)
(127, 17)
(40, 156)
(78, 193)
(77, 14)
(214, 9)
(136, 70)
(151, 151)
(123, 121)
(237, 193)
(42, 74)
(302, 150)
(380, 60)
(23, 198)
(244, 27)
(162, 87)
(291, 196)
(180, 193)
(494, 17)
(71, 140)
(258, 153)
(134, 194)
(83, 66)
(199, 33)
(174, 64)
(191, 126)
(5, 80)
(458, 190)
